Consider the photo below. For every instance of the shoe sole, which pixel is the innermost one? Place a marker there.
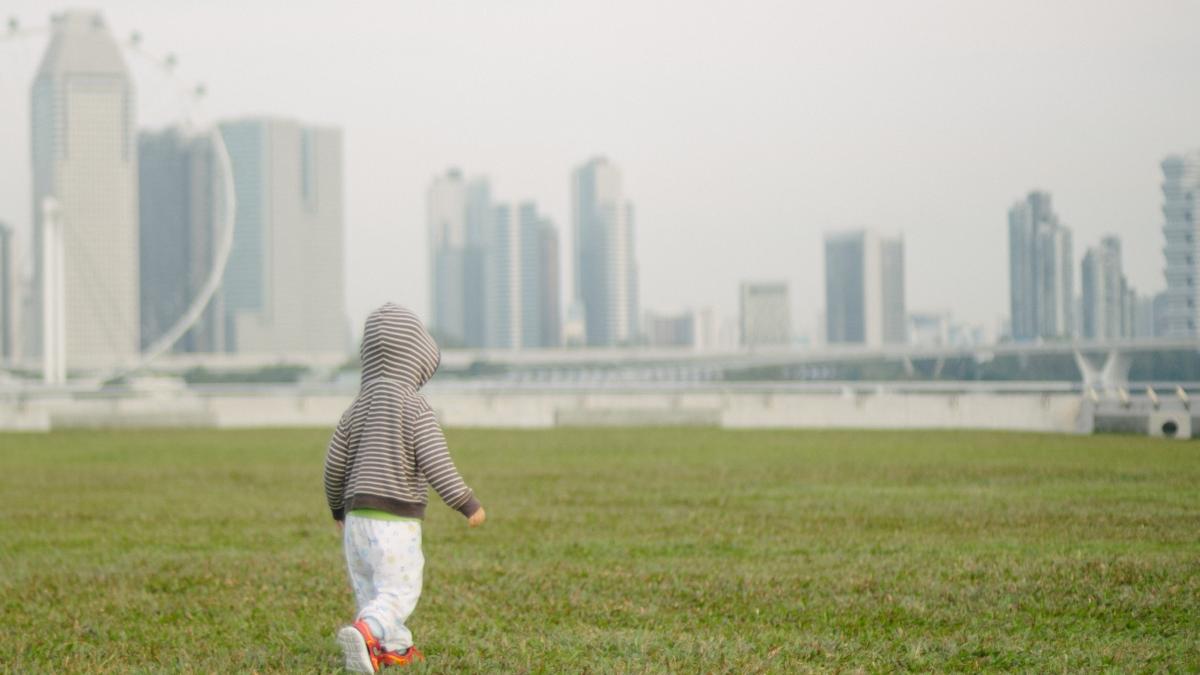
(358, 659)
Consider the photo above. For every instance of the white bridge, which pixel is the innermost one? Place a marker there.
(461, 359)
(824, 354)
(653, 387)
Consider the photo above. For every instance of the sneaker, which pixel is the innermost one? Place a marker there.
(401, 658)
(361, 649)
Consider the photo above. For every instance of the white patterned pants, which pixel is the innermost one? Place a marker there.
(385, 562)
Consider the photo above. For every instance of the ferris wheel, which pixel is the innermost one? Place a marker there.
(166, 99)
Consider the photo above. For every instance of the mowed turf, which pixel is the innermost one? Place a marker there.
(617, 550)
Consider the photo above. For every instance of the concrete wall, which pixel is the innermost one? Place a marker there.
(530, 407)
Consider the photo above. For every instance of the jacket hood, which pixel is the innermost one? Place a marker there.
(396, 346)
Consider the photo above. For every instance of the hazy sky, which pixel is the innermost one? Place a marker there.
(744, 129)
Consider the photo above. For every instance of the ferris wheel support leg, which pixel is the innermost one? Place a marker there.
(54, 356)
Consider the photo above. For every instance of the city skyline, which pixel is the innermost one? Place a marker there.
(1095, 147)
(495, 273)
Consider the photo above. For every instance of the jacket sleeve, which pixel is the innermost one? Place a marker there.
(336, 456)
(434, 462)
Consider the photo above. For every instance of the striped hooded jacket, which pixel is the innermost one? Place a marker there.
(388, 448)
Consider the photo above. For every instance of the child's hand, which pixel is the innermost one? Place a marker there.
(477, 518)
(341, 525)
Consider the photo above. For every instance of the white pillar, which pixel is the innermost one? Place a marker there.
(54, 361)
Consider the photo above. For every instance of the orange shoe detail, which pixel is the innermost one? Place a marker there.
(374, 649)
(401, 658)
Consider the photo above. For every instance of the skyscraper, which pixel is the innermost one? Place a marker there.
(459, 214)
(605, 268)
(864, 289)
(478, 222)
(179, 206)
(284, 282)
(446, 211)
(1139, 310)
(8, 298)
(502, 279)
(1181, 228)
(765, 317)
(549, 284)
(538, 278)
(521, 278)
(494, 268)
(1041, 272)
(85, 158)
(1105, 292)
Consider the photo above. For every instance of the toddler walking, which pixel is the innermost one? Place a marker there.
(386, 451)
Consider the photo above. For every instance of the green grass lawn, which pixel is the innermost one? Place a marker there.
(617, 550)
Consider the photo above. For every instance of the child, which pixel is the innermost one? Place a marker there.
(386, 450)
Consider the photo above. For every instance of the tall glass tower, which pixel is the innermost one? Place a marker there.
(1041, 271)
(1181, 210)
(284, 285)
(864, 289)
(605, 268)
(84, 156)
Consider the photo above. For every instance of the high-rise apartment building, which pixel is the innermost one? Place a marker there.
(606, 277)
(446, 211)
(1105, 292)
(864, 289)
(1041, 272)
(521, 277)
(459, 217)
(1181, 228)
